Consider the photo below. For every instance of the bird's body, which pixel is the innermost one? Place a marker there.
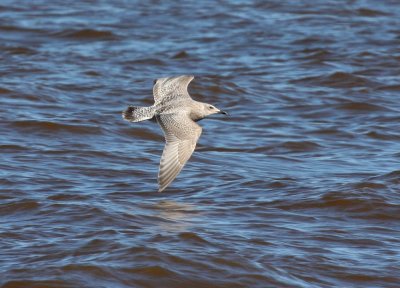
(177, 113)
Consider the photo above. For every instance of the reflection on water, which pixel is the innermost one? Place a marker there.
(179, 215)
(176, 211)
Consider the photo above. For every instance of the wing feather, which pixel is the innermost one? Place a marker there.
(169, 88)
(181, 134)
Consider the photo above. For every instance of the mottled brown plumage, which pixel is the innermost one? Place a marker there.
(177, 113)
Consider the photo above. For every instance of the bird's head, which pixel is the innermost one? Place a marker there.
(209, 109)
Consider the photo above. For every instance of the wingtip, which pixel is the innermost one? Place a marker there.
(187, 76)
(161, 188)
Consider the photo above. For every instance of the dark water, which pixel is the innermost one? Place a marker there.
(298, 188)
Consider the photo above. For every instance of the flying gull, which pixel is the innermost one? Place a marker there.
(177, 113)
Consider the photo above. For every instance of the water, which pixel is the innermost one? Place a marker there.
(299, 187)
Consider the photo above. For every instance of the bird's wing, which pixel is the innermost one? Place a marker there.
(181, 135)
(171, 88)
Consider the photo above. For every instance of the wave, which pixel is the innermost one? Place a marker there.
(86, 34)
(361, 202)
(360, 106)
(21, 206)
(181, 55)
(19, 50)
(288, 146)
(38, 284)
(337, 80)
(48, 126)
(5, 91)
(368, 12)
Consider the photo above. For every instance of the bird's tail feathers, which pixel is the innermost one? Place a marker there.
(137, 114)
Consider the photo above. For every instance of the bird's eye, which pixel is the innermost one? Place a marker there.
(210, 107)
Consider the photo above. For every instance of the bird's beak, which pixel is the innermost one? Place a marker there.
(223, 112)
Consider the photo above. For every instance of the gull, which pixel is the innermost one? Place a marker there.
(176, 113)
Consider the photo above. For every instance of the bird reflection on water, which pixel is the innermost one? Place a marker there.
(178, 216)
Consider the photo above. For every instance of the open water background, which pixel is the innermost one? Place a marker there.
(299, 187)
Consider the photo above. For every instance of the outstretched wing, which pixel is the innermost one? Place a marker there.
(181, 135)
(169, 88)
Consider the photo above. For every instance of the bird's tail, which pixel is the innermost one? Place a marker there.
(137, 114)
